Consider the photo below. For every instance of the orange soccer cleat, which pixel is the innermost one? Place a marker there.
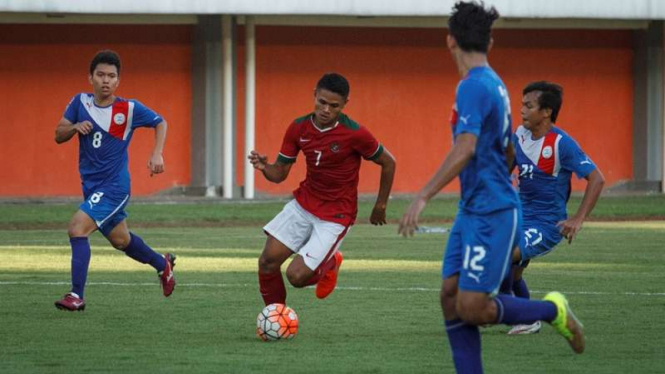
(328, 281)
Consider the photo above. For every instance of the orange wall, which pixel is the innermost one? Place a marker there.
(403, 84)
(402, 88)
(43, 66)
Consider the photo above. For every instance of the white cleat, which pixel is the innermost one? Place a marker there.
(526, 329)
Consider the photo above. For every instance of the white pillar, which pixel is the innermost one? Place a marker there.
(228, 156)
(250, 102)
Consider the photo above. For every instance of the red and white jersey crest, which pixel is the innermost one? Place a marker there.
(543, 152)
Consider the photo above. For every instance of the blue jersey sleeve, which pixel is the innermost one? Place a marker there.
(72, 110)
(144, 116)
(472, 104)
(574, 159)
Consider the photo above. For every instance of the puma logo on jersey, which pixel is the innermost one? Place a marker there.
(465, 119)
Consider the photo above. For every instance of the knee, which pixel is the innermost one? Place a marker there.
(297, 279)
(476, 312)
(447, 297)
(466, 313)
(448, 291)
(77, 231)
(267, 265)
(120, 243)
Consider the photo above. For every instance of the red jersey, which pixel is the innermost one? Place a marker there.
(333, 156)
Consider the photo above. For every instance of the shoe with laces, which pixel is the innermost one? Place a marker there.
(526, 329)
(71, 302)
(166, 277)
(328, 281)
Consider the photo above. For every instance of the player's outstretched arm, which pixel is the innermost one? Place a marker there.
(275, 173)
(388, 164)
(65, 130)
(156, 162)
(462, 151)
(570, 227)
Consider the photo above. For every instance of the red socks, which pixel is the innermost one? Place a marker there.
(272, 288)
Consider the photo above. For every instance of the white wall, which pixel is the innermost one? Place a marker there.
(593, 9)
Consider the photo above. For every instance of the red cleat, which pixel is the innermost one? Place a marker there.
(71, 302)
(328, 281)
(166, 278)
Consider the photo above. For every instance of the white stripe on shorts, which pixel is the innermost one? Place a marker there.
(100, 223)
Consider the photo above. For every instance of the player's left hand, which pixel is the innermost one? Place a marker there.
(409, 222)
(156, 164)
(378, 216)
(570, 227)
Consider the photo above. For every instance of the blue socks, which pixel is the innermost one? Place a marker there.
(520, 289)
(136, 249)
(80, 263)
(465, 343)
(517, 311)
(140, 252)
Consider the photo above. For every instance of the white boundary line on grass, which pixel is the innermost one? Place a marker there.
(242, 285)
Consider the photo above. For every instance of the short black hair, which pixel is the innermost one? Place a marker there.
(551, 96)
(470, 23)
(106, 56)
(336, 83)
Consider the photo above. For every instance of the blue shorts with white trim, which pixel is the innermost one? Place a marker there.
(106, 206)
(538, 239)
(479, 249)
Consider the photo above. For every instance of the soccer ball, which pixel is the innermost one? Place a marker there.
(275, 322)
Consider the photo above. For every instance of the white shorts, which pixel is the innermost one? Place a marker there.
(312, 238)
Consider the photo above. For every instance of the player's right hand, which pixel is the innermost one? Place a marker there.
(83, 128)
(258, 160)
(409, 222)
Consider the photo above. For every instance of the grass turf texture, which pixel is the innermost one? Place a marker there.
(384, 318)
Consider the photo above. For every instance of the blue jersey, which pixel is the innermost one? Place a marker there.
(482, 108)
(545, 169)
(103, 151)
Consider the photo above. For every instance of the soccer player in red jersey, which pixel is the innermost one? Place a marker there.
(314, 223)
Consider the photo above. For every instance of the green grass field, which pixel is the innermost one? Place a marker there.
(383, 318)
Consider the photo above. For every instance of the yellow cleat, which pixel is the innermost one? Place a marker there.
(566, 323)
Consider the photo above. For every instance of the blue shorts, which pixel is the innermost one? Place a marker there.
(106, 206)
(479, 249)
(538, 240)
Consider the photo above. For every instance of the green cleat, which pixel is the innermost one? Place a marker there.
(565, 322)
